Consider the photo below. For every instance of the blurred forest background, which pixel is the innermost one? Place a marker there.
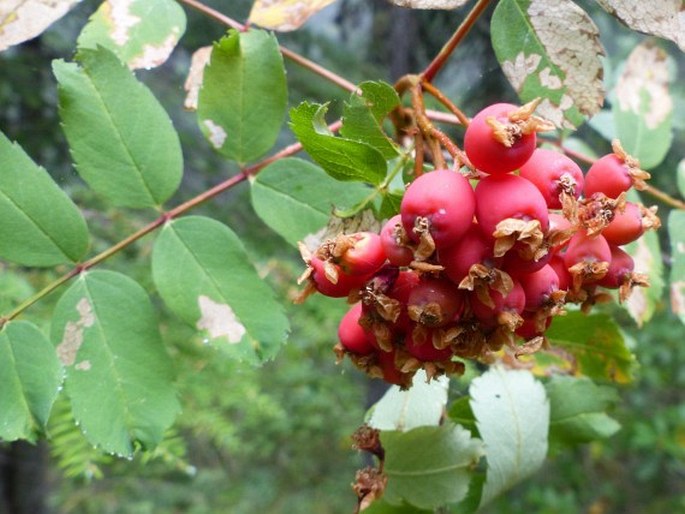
(276, 439)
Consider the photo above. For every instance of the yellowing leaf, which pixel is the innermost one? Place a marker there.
(429, 4)
(21, 20)
(663, 18)
(285, 15)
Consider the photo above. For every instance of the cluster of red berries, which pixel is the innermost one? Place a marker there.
(462, 271)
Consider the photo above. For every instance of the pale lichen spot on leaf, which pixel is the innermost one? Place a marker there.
(219, 320)
(118, 14)
(430, 4)
(73, 333)
(678, 298)
(518, 70)
(645, 79)
(193, 82)
(638, 304)
(571, 41)
(155, 55)
(555, 113)
(83, 366)
(21, 20)
(549, 80)
(285, 15)
(217, 135)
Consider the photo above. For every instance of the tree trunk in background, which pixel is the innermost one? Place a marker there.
(23, 478)
(402, 41)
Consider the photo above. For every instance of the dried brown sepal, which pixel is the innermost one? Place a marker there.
(369, 486)
(400, 236)
(567, 185)
(308, 290)
(367, 439)
(382, 332)
(426, 267)
(638, 175)
(481, 279)
(531, 346)
(373, 295)
(554, 304)
(340, 353)
(556, 237)
(650, 220)
(569, 208)
(631, 280)
(429, 315)
(426, 246)
(334, 249)
(330, 271)
(499, 338)
(587, 272)
(444, 337)
(522, 122)
(596, 212)
(510, 320)
(591, 295)
(471, 342)
(529, 233)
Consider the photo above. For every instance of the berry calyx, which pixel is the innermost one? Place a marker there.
(435, 302)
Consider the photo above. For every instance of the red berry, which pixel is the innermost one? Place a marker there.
(558, 224)
(365, 255)
(553, 173)
(516, 265)
(499, 197)
(419, 344)
(435, 302)
(539, 286)
(487, 153)
(344, 285)
(392, 236)
(514, 302)
(442, 199)
(626, 227)
(608, 175)
(352, 336)
(583, 248)
(558, 265)
(386, 361)
(621, 265)
(533, 326)
(472, 248)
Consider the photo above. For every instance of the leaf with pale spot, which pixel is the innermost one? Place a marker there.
(142, 33)
(204, 275)
(676, 232)
(30, 375)
(21, 20)
(429, 4)
(119, 377)
(551, 49)
(285, 15)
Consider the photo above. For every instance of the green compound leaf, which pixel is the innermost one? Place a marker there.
(142, 33)
(595, 345)
(551, 49)
(578, 410)
(646, 253)
(676, 233)
(296, 198)
(512, 415)
(429, 466)
(30, 374)
(122, 140)
(40, 225)
(643, 110)
(243, 99)
(204, 276)
(343, 159)
(680, 177)
(383, 507)
(118, 374)
(364, 114)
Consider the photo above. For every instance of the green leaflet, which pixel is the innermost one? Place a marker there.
(122, 140)
(676, 232)
(118, 374)
(550, 50)
(30, 375)
(296, 198)
(343, 159)
(142, 33)
(204, 276)
(40, 225)
(243, 99)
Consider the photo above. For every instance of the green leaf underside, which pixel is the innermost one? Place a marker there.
(646, 253)
(296, 198)
(30, 375)
(204, 276)
(122, 140)
(118, 374)
(595, 344)
(364, 114)
(429, 466)
(243, 99)
(382, 507)
(512, 415)
(142, 33)
(578, 410)
(343, 159)
(676, 232)
(531, 50)
(40, 225)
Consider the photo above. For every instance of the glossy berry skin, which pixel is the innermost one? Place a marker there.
(583, 248)
(424, 350)
(558, 265)
(514, 302)
(397, 254)
(488, 154)
(436, 292)
(608, 175)
(343, 287)
(626, 227)
(352, 336)
(500, 197)
(538, 286)
(550, 171)
(445, 199)
(366, 256)
(621, 265)
(516, 265)
(472, 248)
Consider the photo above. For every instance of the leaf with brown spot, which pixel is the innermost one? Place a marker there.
(285, 15)
(21, 20)
(551, 49)
(662, 18)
